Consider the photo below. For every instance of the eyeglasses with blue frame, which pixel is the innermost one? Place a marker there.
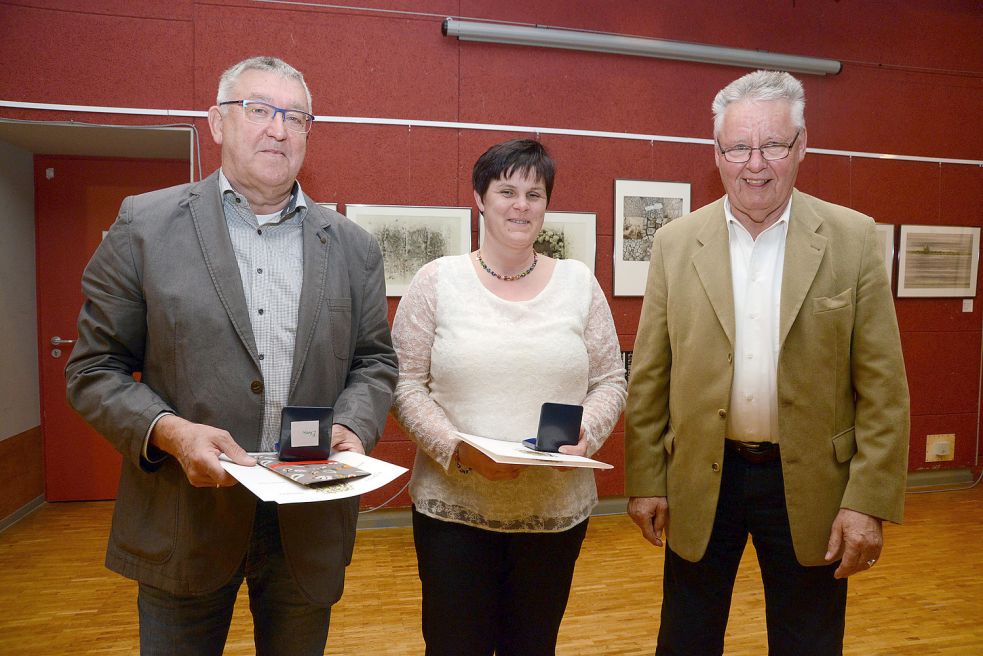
(262, 113)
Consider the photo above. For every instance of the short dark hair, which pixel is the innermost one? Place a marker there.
(502, 160)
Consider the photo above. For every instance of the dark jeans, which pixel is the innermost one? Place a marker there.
(486, 591)
(804, 606)
(284, 622)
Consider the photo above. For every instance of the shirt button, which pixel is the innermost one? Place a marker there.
(749, 356)
(256, 386)
(722, 412)
(259, 232)
(749, 397)
(730, 357)
(262, 357)
(715, 467)
(259, 271)
(260, 310)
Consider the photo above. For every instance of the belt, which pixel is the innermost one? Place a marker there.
(754, 452)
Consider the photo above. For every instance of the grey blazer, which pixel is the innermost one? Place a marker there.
(163, 296)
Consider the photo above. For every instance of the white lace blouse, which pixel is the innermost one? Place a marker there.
(470, 361)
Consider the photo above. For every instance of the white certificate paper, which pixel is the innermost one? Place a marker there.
(270, 486)
(517, 453)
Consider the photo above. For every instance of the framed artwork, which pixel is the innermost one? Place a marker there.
(885, 239)
(330, 206)
(641, 207)
(412, 236)
(938, 261)
(565, 236)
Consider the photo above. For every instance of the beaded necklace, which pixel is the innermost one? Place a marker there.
(535, 260)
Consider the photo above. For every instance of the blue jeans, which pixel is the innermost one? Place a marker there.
(284, 622)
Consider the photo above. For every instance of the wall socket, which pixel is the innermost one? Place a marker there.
(939, 448)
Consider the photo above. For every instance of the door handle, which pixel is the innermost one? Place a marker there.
(58, 341)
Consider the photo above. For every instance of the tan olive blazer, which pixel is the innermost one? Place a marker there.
(842, 395)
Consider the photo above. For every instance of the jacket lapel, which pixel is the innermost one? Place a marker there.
(804, 250)
(712, 262)
(208, 216)
(317, 244)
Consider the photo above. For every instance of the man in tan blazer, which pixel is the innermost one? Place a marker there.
(232, 297)
(768, 393)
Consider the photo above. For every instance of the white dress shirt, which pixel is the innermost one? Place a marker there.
(756, 266)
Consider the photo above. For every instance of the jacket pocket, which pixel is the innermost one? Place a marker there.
(669, 440)
(340, 323)
(845, 444)
(145, 519)
(829, 303)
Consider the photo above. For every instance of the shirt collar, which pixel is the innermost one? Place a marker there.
(296, 201)
(731, 219)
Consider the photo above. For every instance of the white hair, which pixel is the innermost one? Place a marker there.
(267, 64)
(762, 86)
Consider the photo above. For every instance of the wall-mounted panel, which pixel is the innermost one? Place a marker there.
(79, 58)
(355, 63)
(943, 371)
(897, 192)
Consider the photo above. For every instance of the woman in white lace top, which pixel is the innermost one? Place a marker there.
(484, 340)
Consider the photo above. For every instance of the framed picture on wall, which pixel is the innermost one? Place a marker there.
(412, 236)
(641, 207)
(565, 236)
(938, 261)
(885, 239)
(330, 206)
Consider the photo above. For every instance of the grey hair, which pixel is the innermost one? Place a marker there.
(762, 86)
(266, 64)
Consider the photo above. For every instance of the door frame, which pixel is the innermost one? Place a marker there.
(64, 138)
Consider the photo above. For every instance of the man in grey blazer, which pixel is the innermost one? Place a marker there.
(768, 392)
(232, 297)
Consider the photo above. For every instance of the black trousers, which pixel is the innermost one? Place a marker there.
(805, 607)
(486, 591)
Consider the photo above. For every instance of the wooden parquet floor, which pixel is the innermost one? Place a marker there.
(924, 597)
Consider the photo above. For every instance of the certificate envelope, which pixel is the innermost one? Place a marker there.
(516, 453)
(270, 486)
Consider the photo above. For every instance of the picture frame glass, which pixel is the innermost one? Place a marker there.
(565, 236)
(641, 208)
(411, 236)
(938, 261)
(885, 242)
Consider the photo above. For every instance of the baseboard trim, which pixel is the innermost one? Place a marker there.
(385, 518)
(21, 513)
(403, 518)
(939, 478)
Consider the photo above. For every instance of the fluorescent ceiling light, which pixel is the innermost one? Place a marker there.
(552, 37)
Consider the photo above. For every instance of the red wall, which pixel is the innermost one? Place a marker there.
(912, 84)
